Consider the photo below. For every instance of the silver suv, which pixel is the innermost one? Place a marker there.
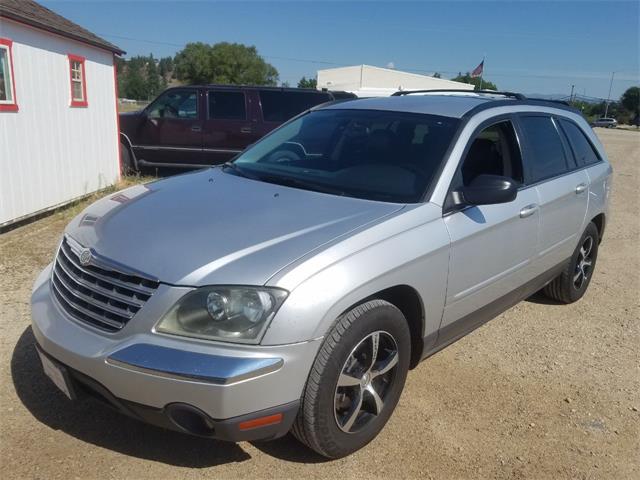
(605, 122)
(294, 288)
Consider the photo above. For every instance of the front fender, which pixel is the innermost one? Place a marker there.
(326, 285)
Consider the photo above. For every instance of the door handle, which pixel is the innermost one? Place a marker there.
(196, 128)
(246, 130)
(581, 188)
(528, 210)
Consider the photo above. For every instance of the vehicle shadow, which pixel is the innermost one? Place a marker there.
(541, 299)
(95, 423)
(289, 449)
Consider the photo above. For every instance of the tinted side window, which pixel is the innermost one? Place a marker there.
(281, 106)
(175, 104)
(227, 105)
(584, 152)
(545, 154)
(494, 151)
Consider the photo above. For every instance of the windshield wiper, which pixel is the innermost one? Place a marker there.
(297, 183)
(239, 171)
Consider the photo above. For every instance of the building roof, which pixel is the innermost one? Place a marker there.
(34, 14)
(367, 80)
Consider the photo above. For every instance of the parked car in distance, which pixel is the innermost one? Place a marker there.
(605, 122)
(293, 288)
(194, 126)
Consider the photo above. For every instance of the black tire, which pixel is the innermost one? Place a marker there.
(565, 288)
(317, 422)
(128, 165)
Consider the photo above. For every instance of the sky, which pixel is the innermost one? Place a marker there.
(532, 47)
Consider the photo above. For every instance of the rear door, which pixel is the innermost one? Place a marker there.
(229, 127)
(562, 186)
(278, 106)
(171, 131)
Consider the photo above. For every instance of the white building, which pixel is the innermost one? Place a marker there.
(369, 81)
(58, 111)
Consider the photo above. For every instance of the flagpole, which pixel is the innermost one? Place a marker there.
(482, 72)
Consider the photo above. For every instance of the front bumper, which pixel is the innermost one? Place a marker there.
(148, 373)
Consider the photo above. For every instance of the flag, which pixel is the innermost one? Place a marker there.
(477, 72)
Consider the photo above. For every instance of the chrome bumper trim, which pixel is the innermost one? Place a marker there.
(191, 366)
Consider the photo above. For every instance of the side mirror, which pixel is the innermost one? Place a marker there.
(489, 190)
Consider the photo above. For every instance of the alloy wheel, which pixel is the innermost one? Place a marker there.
(365, 379)
(584, 263)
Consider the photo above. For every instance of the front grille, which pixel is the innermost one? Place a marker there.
(103, 297)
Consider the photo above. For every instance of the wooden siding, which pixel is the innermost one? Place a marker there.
(51, 152)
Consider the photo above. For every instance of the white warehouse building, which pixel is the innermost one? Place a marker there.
(370, 81)
(59, 136)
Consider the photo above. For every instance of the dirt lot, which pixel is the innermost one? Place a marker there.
(544, 391)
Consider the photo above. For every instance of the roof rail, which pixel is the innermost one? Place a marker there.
(517, 96)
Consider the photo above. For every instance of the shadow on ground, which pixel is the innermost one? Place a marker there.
(541, 299)
(95, 423)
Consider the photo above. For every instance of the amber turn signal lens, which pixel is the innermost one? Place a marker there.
(261, 422)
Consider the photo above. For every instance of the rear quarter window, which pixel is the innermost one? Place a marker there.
(582, 148)
(545, 155)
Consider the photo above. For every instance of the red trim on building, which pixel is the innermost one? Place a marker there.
(115, 86)
(84, 102)
(10, 107)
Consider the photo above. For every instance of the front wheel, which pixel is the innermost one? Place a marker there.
(356, 380)
(572, 283)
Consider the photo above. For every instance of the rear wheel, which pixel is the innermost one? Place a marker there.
(573, 282)
(128, 165)
(356, 380)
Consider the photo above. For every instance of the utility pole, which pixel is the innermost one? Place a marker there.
(571, 96)
(606, 110)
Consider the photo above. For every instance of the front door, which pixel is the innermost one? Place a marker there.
(492, 246)
(171, 133)
(229, 127)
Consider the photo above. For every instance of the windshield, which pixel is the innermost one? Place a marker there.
(377, 155)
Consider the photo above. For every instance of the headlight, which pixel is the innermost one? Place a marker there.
(230, 314)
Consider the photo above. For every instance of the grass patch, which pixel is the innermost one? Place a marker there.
(73, 208)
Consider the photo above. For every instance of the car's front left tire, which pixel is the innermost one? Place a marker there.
(355, 381)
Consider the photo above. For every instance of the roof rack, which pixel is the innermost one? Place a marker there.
(517, 96)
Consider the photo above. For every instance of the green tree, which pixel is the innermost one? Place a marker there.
(193, 63)
(467, 78)
(308, 83)
(135, 84)
(230, 63)
(630, 100)
(166, 67)
(153, 84)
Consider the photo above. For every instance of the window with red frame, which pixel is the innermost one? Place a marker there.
(78, 81)
(8, 100)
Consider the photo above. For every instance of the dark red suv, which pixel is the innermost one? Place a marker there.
(195, 126)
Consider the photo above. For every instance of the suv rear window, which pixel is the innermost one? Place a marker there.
(280, 106)
(227, 105)
(546, 156)
(583, 151)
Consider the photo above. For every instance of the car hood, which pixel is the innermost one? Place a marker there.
(211, 227)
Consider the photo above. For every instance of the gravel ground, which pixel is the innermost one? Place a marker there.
(543, 391)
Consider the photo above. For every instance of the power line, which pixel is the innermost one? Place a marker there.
(584, 76)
